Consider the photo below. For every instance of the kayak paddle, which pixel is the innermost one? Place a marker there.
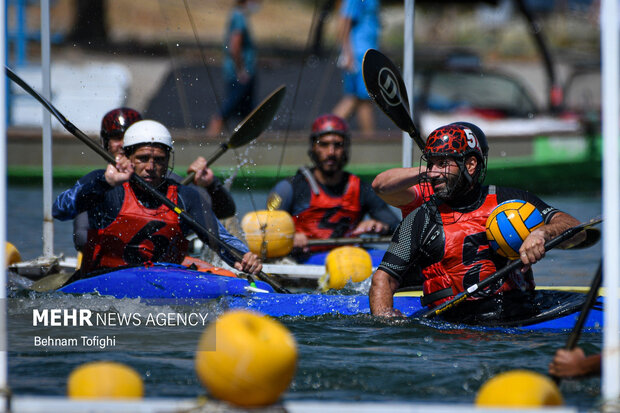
(349, 241)
(386, 87)
(198, 229)
(573, 338)
(249, 128)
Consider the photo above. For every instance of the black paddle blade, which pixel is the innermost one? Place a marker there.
(256, 122)
(593, 235)
(386, 87)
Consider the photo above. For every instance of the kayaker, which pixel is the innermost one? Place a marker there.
(574, 363)
(326, 201)
(128, 225)
(446, 235)
(113, 126)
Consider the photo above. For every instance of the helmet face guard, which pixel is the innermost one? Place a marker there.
(327, 125)
(459, 140)
(116, 122)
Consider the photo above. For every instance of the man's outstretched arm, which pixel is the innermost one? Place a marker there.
(381, 295)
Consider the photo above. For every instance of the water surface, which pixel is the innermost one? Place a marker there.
(340, 358)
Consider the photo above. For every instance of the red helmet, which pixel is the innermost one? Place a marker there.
(458, 140)
(326, 124)
(115, 123)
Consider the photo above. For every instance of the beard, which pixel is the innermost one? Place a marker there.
(333, 169)
(453, 186)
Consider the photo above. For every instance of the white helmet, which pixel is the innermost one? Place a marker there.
(146, 132)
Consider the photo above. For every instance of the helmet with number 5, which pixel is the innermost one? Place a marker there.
(458, 140)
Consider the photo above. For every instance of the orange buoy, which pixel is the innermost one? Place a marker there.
(269, 234)
(519, 388)
(343, 264)
(246, 358)
(12, 254)
(104, 380)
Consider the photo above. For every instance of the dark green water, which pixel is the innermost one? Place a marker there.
(340, 358)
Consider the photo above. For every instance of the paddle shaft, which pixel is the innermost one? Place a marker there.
(199, 229)
(515, 265)
(348, 241)
(573, 338)
(585, 310)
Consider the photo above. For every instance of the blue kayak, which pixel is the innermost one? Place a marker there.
(163, 281)
(171, 281)
(559, 317)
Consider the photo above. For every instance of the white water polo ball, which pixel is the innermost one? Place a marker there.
(509, 224)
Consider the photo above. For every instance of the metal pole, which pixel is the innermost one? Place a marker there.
(611, 200)
(408, 72)
(48, 220)
(4, 386)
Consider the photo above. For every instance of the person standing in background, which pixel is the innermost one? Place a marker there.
(359, 31)
(239, 66)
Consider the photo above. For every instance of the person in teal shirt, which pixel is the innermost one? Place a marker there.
(360, 29)
(239, 67)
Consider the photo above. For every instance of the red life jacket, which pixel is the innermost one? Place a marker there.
(467, 255)
(326, 214)
(138, 235)
(422, 193)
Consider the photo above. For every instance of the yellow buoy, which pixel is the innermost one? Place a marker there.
(269, 234)
(104, 380)
(80, 256)
(343, 264)
(519, 388)
(253, 362)
(12, 254)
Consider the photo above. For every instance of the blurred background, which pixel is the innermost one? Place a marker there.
(523, 70)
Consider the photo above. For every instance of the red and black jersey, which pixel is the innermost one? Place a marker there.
(137, 235)
(330, 216)
(330, 211)
(451, 245)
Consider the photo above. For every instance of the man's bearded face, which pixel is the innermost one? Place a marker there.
(329, 154)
